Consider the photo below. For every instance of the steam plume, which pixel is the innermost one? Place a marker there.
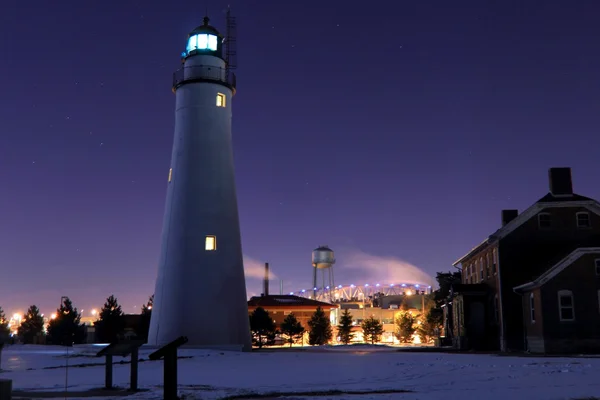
(256, 269)
(384, 269)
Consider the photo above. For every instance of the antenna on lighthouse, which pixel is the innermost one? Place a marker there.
(230, 43)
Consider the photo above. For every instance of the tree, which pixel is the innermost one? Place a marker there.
(144, 325)
(66, 328)
(445, 281)
(111, 323)
(32, 326)
(320, 332)
(345, 327)
(4, 329)
(262, 327)
(440, 297)
(405, 327)
(147, 308)
(292, 328)
(4, 333)
(372, 330)
(429, 327)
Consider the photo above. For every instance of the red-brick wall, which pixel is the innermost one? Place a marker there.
(582, 334)
(529, 251)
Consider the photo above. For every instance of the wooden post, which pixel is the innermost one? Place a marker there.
(5, 389)
(109, 371)
(134, 369)
(170, 375)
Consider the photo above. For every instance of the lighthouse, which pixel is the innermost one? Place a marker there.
(200, 288)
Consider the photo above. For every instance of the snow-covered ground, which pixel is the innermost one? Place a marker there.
(216, 375)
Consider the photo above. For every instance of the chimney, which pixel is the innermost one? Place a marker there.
(509, 215)
(281, 287)
(560, 181)
(266, 281)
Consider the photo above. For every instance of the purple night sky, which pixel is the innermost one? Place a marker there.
(393, 131)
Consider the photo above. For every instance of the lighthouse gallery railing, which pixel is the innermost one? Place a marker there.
(203, 73)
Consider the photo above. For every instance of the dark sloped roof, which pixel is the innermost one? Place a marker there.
(552, 272)
(550, 198)
(528, 213)
(286, 301)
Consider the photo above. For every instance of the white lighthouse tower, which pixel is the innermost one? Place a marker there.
(200, 289)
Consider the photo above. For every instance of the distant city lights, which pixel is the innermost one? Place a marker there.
(367, 286)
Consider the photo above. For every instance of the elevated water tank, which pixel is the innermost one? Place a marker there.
(323, 257)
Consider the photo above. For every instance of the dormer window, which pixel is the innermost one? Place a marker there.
(583, 220)
(544, 220)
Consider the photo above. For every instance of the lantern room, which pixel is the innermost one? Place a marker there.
(205, 39)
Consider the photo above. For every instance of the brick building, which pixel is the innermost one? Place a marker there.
(280, 306)
(536, 277)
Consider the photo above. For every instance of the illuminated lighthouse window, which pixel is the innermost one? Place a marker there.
(211, 243)
(202, 41)
(221, 100)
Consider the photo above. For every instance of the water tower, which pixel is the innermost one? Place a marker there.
(323, 260)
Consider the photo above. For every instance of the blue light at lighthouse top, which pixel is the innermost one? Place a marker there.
(205, 39)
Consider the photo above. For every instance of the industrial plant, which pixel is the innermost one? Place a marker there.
(383, 301)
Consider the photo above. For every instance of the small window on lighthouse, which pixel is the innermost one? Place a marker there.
(221, 100)
(211, 243)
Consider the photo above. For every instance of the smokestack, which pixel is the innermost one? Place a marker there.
(509, 215)
(281, 287)
(560, 181)
(266, 281)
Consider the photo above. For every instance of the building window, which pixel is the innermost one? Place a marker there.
(496, 309)
(566, 311)
(544, 220)
(494, 261)
(583, 220)
(210, 243)
(170, 174)
(221, 100)
(597, 261)
(487, 266)
(532, 307)
(481, 269)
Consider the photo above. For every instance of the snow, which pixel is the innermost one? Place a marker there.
(210, 374)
